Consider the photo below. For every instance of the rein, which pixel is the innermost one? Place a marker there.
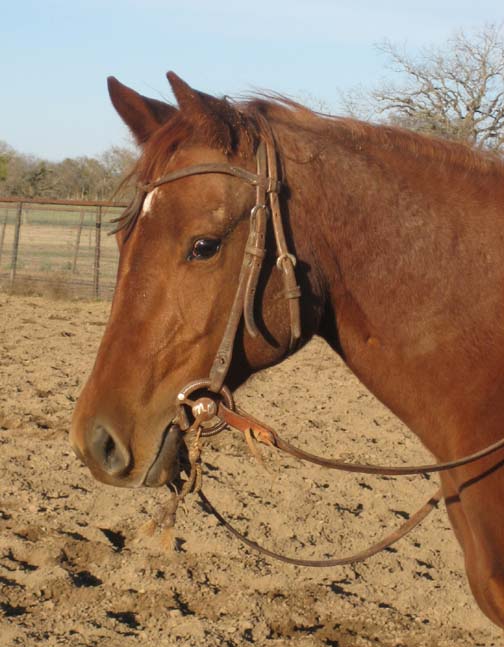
(360, 556)
(206, 409)
(263, 434)
(220, 405)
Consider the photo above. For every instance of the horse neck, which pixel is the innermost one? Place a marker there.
(360, 209)
(400, 247)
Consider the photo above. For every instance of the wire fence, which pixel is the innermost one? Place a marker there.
(60, 246)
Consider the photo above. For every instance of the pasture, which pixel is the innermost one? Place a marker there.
(80, 563)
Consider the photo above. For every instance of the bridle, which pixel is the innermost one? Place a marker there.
(217, 403)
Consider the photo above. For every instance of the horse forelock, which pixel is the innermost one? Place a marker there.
(183, 130)
(186, 130)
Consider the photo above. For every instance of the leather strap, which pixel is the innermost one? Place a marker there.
(202, 169)
(267, 188)
(262, 433)
(243, 421)
(360, 556)
(285, 261)
(257, 248)
(245, 293)
(222, 360)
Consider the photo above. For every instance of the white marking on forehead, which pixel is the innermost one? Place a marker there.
(147, 204)
(220, 212)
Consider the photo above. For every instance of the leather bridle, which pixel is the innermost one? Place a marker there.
(217, 402)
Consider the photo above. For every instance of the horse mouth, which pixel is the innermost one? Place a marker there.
(166, 465)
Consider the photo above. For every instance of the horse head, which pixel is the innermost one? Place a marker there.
(182, 244)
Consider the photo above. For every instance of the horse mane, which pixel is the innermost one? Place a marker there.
(359, 135)
(254, 119)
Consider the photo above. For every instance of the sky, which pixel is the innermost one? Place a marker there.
(55, 55)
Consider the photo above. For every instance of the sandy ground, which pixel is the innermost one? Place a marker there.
(78, 567)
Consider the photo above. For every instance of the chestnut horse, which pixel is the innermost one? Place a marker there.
(400, 247)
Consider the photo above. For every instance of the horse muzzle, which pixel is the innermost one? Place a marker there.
(166, 465)
(111, 461)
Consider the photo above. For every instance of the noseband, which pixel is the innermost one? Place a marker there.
(221, 405)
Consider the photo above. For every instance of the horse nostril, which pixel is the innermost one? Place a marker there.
(108, 451)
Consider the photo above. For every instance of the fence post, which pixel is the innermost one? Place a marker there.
(77, 242)
(2, 235)
(15, 247)
(97, 253)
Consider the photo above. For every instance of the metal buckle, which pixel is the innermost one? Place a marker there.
(204, 409)
(282, 257)
(256, 208)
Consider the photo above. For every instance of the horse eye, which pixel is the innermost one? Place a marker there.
(204, 248)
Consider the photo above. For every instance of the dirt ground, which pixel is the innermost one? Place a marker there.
(78, 566)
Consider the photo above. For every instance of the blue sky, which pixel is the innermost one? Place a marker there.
(55, 55)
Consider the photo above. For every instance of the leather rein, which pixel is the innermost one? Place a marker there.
(217, 403)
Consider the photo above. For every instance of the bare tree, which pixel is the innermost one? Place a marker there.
(455, 92)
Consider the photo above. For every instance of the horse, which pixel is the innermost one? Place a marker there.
(399, 241)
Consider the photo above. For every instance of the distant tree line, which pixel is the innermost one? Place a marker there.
(79, 178)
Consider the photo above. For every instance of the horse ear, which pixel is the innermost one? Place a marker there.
(141, 114)
(214, 117)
